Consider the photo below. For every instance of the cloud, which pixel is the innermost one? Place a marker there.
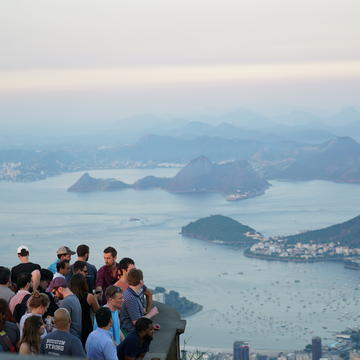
(118, 78)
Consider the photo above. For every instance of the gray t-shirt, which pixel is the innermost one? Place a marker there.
(6, 293)
(72, 304)
(62, 343)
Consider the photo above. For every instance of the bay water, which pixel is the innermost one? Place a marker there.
(272, 305)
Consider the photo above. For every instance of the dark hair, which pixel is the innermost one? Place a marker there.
(82, 250)
(111, 291)
(134, 277)
(103, 316)
(79, 265)
(31, 334)
(22, 280)
(111, 250)
(124, 264)
(79, 286)
(142, 324)
(23, 252)
(4, 310)
(61, 265)
(4, 275)
(38, 299)
(46, 275)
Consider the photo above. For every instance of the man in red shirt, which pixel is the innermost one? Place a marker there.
(108, 274)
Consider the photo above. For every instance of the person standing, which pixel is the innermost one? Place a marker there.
(83, 253)
(107, 274)
(31, 338)
(100, 345)
(23, 284)
(5, 292)
(26, 266)
(60, 342)
(137, 343)
(63, 253)
(88, 302)
(68, 301)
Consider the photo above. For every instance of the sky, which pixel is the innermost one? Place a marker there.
(77, 61)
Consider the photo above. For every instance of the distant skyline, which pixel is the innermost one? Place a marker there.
(93, 62)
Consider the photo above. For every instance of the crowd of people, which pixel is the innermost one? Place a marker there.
(73, 309)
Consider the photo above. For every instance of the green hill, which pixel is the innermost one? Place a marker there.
(219, 228)
(346, 233)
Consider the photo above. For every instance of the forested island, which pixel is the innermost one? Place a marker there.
(221, 229)
(340, 242)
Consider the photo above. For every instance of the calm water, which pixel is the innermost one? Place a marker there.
(243, 299)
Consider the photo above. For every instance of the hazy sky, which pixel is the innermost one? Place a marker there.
(100, 60)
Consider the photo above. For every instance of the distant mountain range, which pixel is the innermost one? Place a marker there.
(335, 160)
(200, 175)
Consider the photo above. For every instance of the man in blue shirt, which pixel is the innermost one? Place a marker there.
(99, 344)
(63, 253)
(136, 344)
(114, 299)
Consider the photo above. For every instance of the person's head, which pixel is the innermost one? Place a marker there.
(63, 267)
(23, 281)
(79, 286)
(83, 251)
(4, 275)
(135, 277)
(64, 253)
(110, 255)
(38, 303)
(145, 328)
(62, 319)
(103, 317)
(4, 311)
(114, 297)
(33, 329)
(58, 288)
(80, 267)
(46, 277)
(22, 252)
(125, 265)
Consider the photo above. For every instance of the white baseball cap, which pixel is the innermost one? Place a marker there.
(22, 247)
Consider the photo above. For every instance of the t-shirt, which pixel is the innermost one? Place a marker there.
(132, 347)
(22, 322)
(104, 278)
(72, 304)
(6, 293)
(23, 268)
(17, 299)
(61, 343)
(100, 346)
(115, 327)
(131, 310)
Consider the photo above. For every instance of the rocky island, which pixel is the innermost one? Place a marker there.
(200, 175)
(222, 230)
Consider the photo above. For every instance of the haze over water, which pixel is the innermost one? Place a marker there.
(243, 299)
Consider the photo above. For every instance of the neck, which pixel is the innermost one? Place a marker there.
(111, 307)
(106, 327)
(81, 258)
(135, 288)
(37, 311)
(24, 259)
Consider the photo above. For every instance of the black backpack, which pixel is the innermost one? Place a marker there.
(21, 308)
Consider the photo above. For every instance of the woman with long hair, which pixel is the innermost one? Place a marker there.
(9, 332)
(37, 305)
(88, 302)
(31, 337)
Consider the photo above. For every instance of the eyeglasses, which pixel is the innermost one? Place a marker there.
(54, 290)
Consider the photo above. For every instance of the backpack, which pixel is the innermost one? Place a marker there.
(5, 343)
(21, 308)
